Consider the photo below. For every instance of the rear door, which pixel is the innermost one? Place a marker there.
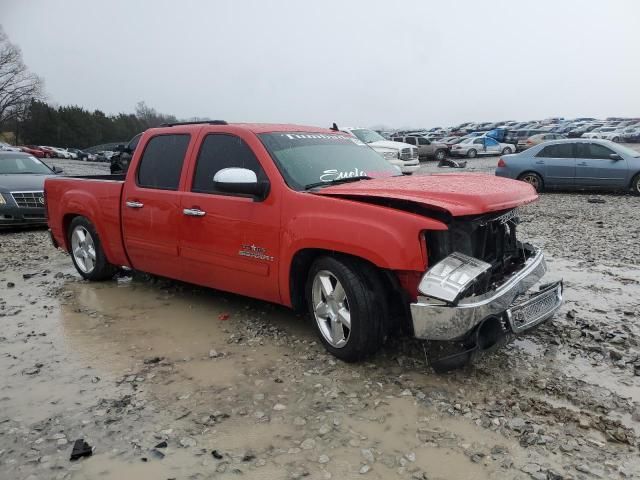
(151, 214)
(596, 168)
(556, 164)
(232, 243)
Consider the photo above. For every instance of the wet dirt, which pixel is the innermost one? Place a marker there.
(133, 362)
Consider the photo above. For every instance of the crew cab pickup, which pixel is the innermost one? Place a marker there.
(314, 219)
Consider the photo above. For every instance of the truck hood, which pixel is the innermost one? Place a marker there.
(457, 194)
(389, 145)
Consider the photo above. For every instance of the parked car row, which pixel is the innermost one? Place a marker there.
(43, 151)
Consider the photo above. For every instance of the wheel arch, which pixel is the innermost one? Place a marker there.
(304, 258)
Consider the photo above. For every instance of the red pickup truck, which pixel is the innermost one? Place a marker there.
(314, 219)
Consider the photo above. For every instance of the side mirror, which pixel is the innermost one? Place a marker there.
(615, 156)
(241, 181)
(57, 170)
(121, 148)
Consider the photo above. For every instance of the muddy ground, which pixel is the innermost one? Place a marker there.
(167, 380)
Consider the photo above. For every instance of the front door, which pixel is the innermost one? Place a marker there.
(596, 168)
(557, 165)
(231, 242)
(151, 214)
(492, 147)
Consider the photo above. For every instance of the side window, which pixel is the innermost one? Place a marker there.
(410, 140)
(161, 162)
(561, 150)
(397, 139)
(490, 142)
(220, 151)
(423, 141)
(477, 141)
(595, 151)
(133, 144)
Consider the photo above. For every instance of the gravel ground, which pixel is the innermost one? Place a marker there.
(168, 380)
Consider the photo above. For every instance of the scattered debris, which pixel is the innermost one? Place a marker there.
(80, 449)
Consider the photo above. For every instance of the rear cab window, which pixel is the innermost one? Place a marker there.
(161, 164)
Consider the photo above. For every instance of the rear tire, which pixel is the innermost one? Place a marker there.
(86, 251)
(472, 153)
(347, 304)
(533, 179)
(507, 151)
(635, 184)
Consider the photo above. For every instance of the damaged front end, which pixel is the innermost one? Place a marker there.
(475, 294)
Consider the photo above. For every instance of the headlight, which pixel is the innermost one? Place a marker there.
(448, 278)
(389, 155)
(2, 200)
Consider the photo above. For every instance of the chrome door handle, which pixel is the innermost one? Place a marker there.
(582, 164)
(134, 204)
(540, 162)
(194, 212)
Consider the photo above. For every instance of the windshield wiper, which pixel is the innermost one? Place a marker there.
(337, 181)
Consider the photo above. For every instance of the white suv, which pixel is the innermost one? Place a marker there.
(402, 155)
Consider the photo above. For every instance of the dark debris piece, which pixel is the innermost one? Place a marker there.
(81, 449)
(217, 455)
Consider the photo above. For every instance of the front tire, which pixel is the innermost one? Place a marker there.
(86, 251)
(440, 155)
(533, 179)
(348, 307)
(635, 184)
(472, 153)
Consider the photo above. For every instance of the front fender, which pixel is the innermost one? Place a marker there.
(386, 237)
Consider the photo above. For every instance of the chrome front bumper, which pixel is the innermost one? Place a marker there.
(433, 321)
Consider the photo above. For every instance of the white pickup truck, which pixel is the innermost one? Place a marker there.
(402, 155)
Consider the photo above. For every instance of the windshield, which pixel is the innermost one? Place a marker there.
(10, 165)
(368, 136)
(305, 159)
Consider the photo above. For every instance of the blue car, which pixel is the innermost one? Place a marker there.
(575, 164)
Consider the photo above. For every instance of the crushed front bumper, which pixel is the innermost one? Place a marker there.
(445, 322)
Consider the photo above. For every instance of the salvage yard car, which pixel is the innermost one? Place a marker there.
(22, 189)
(402, 155)
(474, 146)
(575, 164)
(314, 219)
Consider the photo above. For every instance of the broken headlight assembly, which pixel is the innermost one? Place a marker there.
(448, 278)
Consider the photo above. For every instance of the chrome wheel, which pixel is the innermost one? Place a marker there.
(440, 155)
(331, 309)
(83, 249)
(532, 180)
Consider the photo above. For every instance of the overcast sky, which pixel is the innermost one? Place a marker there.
(364, 62)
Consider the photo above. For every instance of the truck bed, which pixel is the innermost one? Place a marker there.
(93, 196)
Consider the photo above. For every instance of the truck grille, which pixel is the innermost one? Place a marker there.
(29, 199)
(532, 312)
(408, 154)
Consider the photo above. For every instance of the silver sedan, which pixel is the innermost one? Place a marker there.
(575, 164)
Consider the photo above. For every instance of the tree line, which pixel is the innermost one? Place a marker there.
(74, 126)
(27, 119)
